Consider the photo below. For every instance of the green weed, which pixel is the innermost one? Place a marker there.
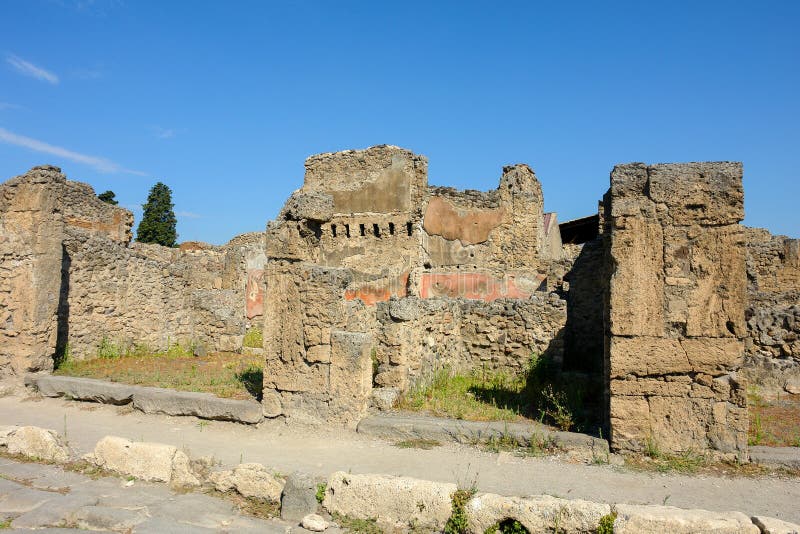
(417, 443)
(458, 521)
(606, 525)
(321, 489)
(253, 338)
(360, 526)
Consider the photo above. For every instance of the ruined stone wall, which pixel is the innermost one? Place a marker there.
(675, 307)
(772, 347)
(423, 277)
(150, 296)
(415, 337)
(72, 280)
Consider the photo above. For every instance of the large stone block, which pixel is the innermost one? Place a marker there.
(36, 443)
(350, 375)
(636, 299)
(539, 514)
(148, 461)
(392, 501)
(653, 519)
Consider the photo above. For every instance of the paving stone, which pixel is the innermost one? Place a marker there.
(299, 497)
(160, 525)
(106, 518)
(23, 500)
(55, 512)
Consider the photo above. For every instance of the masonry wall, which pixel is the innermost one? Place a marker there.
(426, 278)
(772, 346)
(675, 307)
(72, 280)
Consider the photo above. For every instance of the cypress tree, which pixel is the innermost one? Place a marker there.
(158, 221)
(109, 197)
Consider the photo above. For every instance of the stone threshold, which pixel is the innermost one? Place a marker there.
(411, 426)
(148, 399)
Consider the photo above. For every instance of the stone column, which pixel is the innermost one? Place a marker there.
(675, 307)
(31, 255)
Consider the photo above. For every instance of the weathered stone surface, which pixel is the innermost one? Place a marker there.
(312, 205)
(299, 497)
(384, 399)
(653, 519)
(148, 461)
(470, 227)
(105, 518)
(394, 501)
(539, 514)
(788, 457)
(314, 523)
(85, 389)
(249, 480)
(675, 308)
(203, 405)
(770, 525)
(37, 443)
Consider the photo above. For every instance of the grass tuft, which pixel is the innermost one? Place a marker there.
(360, 526)
(417, 443)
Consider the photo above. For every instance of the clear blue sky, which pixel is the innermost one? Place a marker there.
(223, 101)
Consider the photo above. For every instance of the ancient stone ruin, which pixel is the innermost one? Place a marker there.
(370, 280)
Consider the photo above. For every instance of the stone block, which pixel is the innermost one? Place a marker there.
(249, 480)
(647, 356)
(37, 443)
(299, 497)
(203, 405)
(319, 354)
(636, 301)
(350, 375)
(770, 525)
(714, 356)
(84, 389)
(392, 501)
(539, 514)
(653, 519)
(155, 462)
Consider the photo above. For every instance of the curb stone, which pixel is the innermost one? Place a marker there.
(148, 399)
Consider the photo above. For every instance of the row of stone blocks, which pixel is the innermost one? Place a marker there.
(398, 504)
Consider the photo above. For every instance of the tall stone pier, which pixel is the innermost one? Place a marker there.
(675, 300)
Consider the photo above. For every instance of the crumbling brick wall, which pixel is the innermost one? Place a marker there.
(772, 347)
(675, 307)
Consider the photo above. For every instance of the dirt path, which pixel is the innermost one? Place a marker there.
(321, 451)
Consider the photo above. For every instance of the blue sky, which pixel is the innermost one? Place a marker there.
(223, 101)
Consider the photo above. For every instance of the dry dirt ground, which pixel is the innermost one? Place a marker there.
(321, 451)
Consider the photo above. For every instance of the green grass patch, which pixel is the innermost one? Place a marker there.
(227, 375)
(361, 526)
(538, 393)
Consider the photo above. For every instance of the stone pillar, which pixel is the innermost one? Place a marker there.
(31, 256)
(674, 316)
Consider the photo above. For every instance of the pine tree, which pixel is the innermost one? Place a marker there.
(158, 221)
(108, 197)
